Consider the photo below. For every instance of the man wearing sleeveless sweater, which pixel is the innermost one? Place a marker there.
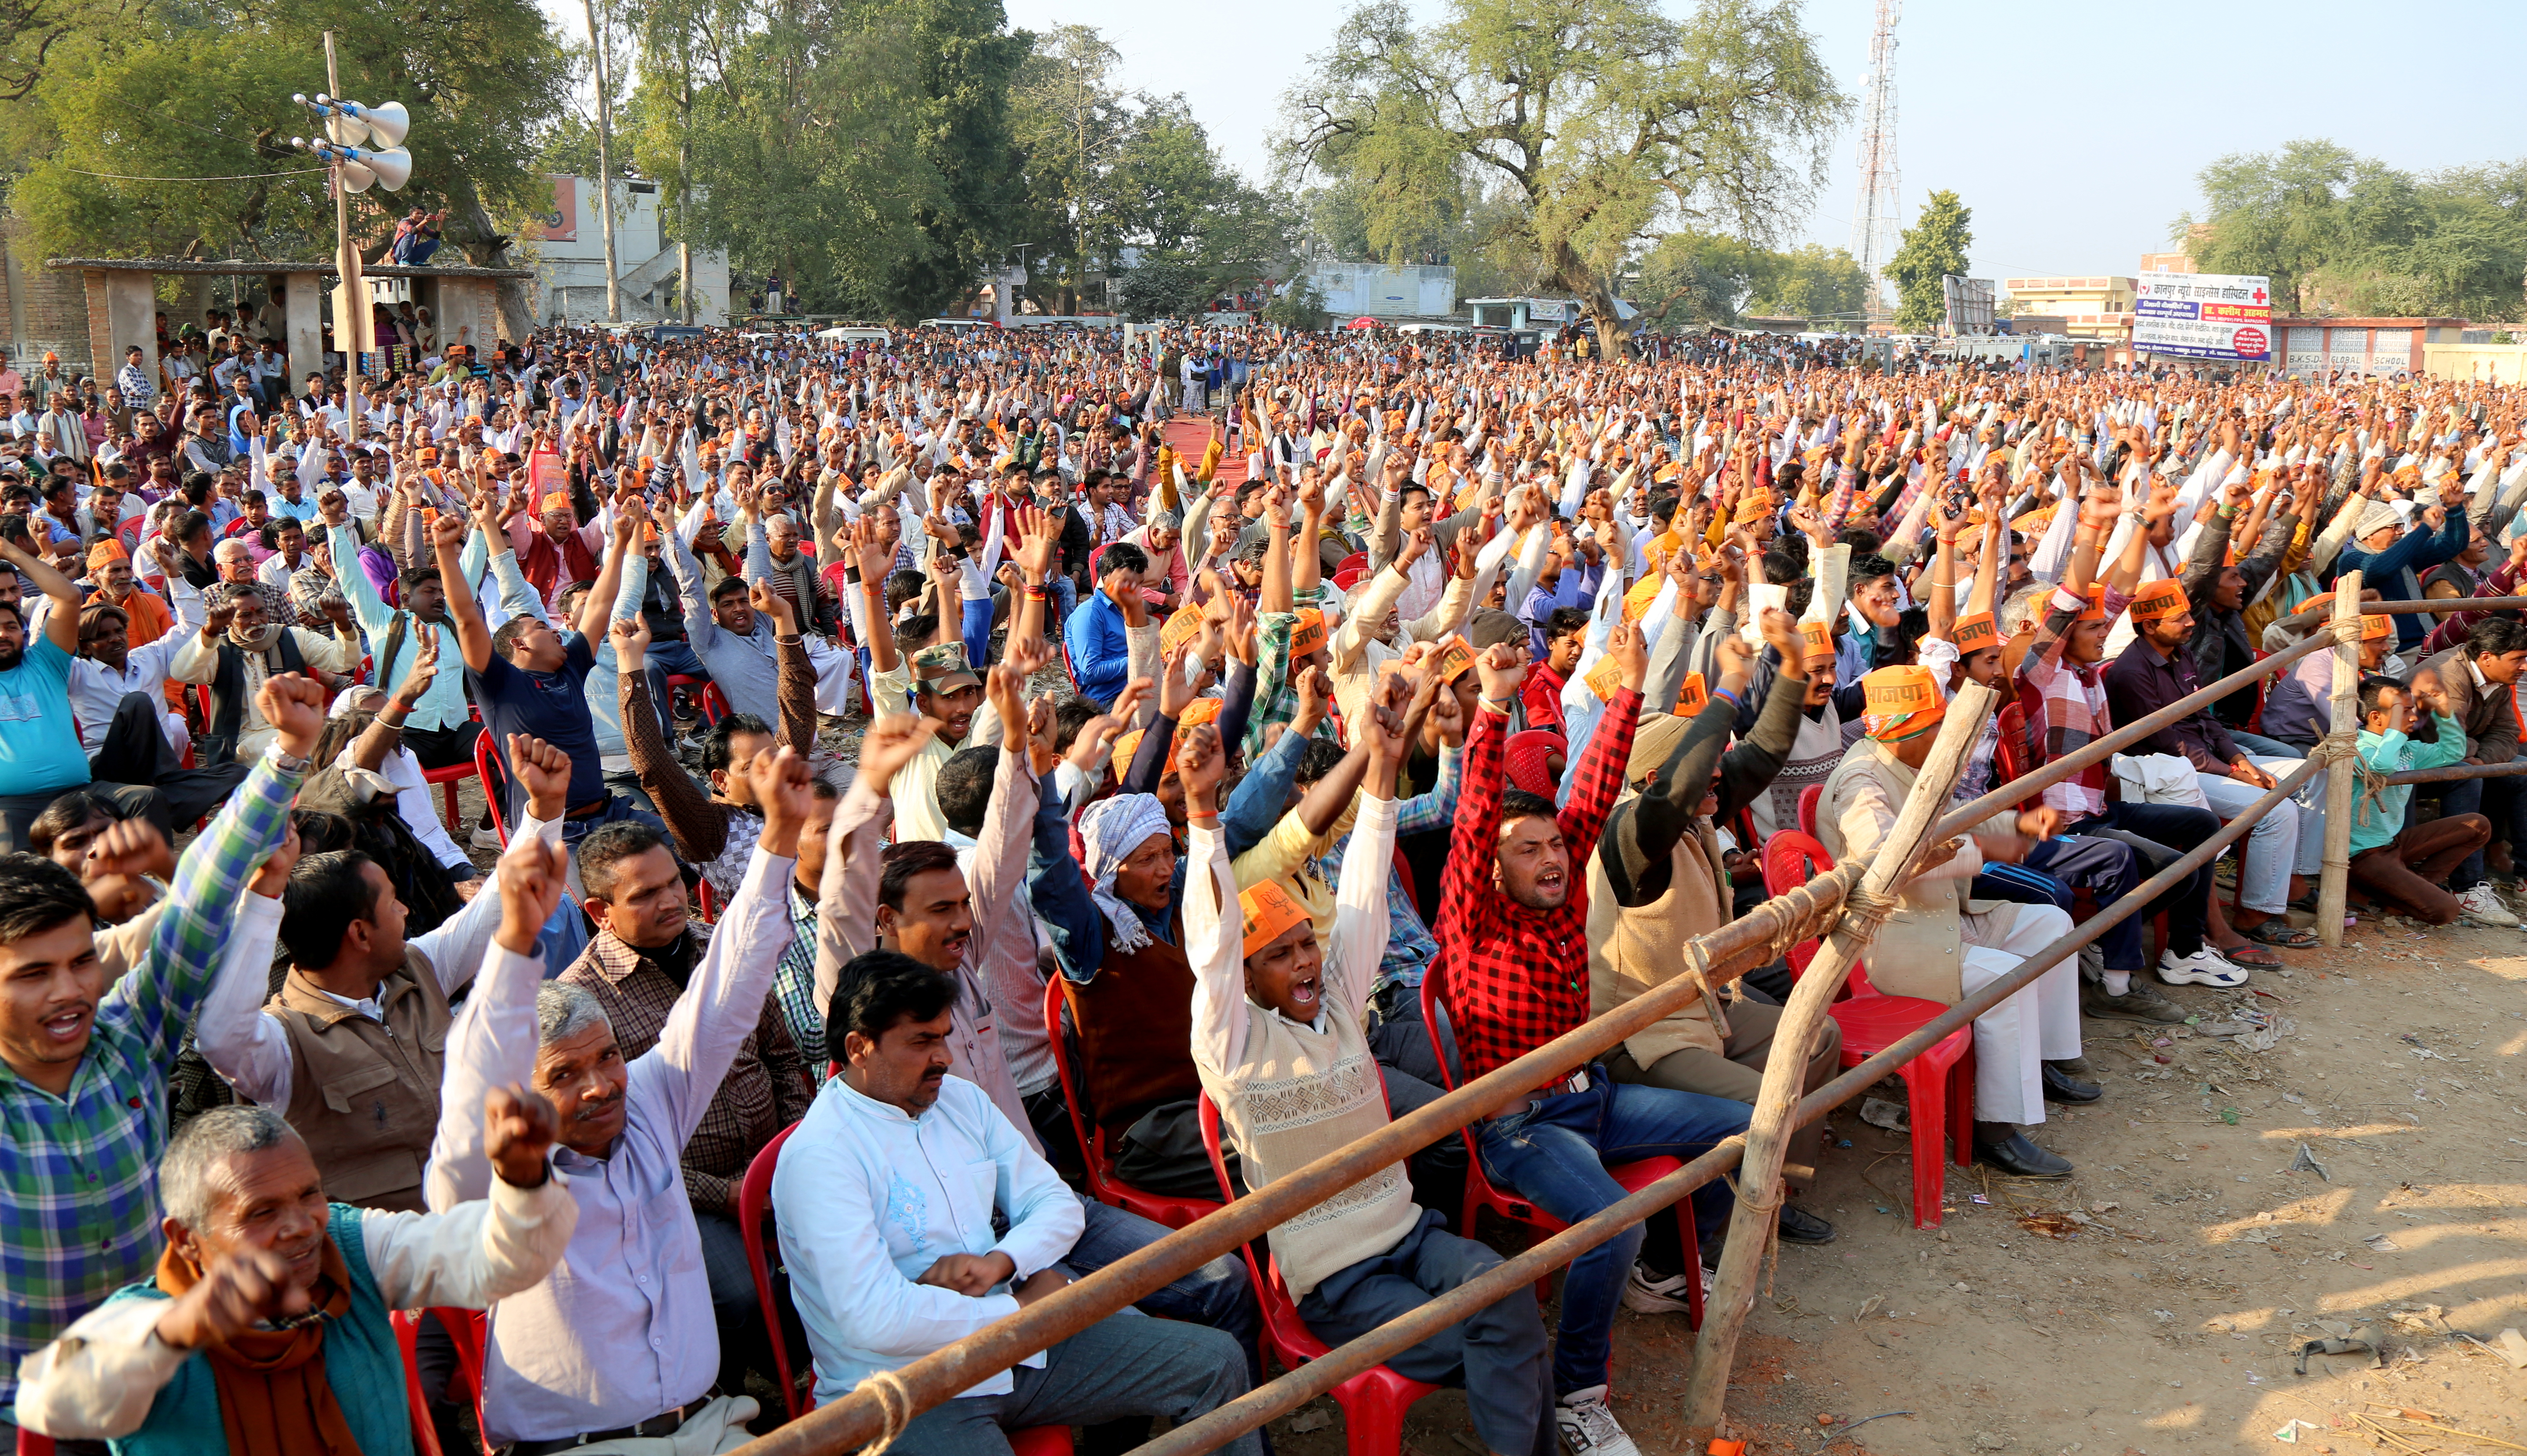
(1278, 1036)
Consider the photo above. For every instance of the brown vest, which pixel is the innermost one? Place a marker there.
(365, 1096)
(1632, 950)
(1135, 1023)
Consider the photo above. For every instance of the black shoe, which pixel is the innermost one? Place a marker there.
(1799, 1226)
(2016, 1156)
(2061, 1086)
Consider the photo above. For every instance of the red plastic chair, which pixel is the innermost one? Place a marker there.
(708, 699)
(1102, 1186)
(1482, 1195)
(2012, 758)
(1374, 1402)
(1349, 577)
(485, 769)
(1939, 1081)
(1808, 798)
(753, 1211)
(446, 779)
(465, 1328)
(1529, 753)
(1356, 560)
(31, 1444)
(425, 1435)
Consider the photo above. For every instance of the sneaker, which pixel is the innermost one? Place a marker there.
(1647, 1294)
(1589, 1426)
(2483, 904)
(487, 838)
(2205, 967)
(2141, 1002)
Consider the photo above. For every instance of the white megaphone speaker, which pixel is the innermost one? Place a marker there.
(386, 123)
(389, 168)
(341, 127)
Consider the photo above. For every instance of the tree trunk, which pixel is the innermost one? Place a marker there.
(486, 246)
(604, 163)
(684, 180)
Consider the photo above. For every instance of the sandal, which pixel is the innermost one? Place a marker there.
(2250, 956)
(2277, 931)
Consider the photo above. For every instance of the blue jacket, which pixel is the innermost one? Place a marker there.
(1101, 649)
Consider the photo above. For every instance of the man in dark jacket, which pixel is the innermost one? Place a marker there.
(2480, 681)
(2220, 593)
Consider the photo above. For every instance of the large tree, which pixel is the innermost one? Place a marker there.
(1933, 248)
(2337, 233)
(862, 148)
(1714, 279)
(163, 92)
(1601, 119)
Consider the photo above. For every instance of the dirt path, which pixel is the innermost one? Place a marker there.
(2168, 1320)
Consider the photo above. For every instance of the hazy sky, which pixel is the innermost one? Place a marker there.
(2072, 132)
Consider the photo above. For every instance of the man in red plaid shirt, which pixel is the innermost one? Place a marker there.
(1512, 965)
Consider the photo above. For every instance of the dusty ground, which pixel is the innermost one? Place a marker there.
(2155, 1302)
(2169, 1318)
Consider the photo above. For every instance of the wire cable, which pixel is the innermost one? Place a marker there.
(242, 177)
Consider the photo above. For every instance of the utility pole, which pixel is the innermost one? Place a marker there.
(684, 172)
(350, 301)
(1877, 216)
(604, 161)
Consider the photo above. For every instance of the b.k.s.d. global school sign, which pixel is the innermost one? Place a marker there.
(2204, 316)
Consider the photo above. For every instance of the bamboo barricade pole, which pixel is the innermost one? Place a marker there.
(1756, 1221)
(1721, 957)
(1727, 952)
(1316, 1377)
(2455, 772)
(2334, 878)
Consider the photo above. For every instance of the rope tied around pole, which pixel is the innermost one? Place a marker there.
(894, 1405)
(1865, 912)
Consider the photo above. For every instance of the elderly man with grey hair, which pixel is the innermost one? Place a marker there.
(241, 643)
(617, 1352)
(265, 1331)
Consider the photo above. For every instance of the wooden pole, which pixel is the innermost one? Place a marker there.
(1752, 1227)
(351, 299)
(2340, 750)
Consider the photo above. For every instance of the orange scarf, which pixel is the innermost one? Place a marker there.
(274, 1397)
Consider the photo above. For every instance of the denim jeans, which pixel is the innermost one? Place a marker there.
(667, 659)
(1555, 1154)
(1216, 1294)
(2159, 833)
(1063, 595)
(2288, 840)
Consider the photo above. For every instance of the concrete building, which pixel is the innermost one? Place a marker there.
(1379, 291)
(569, 239)
(2094, 307)
(2374, 347)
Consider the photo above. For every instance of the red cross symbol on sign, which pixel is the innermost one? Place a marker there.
(2257, 295)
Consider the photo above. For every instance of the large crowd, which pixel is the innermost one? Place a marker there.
(1282, 726)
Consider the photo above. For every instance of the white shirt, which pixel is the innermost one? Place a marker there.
(870, 1197)
(249, 1048)
(102, 1377)
(97, 690)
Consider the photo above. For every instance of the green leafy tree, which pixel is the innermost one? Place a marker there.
(1302, 306)
(177, 91)
(1930, 250)
(1070, 122)
(1599, 120)
(2337, 233)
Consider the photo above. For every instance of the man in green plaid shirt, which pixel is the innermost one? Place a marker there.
(83, 1066)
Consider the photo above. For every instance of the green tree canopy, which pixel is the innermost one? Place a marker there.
(2342, 233)
(177, 90)
(1598, 119)
(1930, 250)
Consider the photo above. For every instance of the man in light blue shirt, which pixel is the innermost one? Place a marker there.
(440, 731)
(885, 1199)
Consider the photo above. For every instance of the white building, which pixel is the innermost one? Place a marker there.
(1381, 290)
(570, 265)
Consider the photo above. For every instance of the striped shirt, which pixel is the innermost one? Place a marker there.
(78, 1174)
(2072, 696)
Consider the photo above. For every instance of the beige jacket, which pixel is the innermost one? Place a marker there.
(1921, 951)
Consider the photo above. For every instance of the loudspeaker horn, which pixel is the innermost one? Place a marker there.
(393, 168)
(386, 123)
